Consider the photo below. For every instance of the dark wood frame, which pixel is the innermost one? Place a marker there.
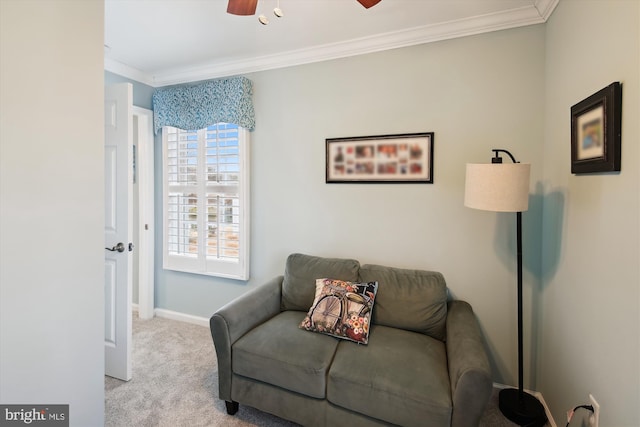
(402, 158)
(599, 115)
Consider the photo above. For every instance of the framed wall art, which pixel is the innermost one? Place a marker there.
(595, 131)
(404, 158)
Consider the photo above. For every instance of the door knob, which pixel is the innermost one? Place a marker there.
(117, 248)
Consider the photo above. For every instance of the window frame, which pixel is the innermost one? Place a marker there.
(201, 263)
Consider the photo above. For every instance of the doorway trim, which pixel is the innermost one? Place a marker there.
(146, 243)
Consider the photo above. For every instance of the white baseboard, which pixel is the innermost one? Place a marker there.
(182, 317)
(175, 315)
(551, 422)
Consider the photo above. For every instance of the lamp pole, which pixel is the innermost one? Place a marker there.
(520, 340)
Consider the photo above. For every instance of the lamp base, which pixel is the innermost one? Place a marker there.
(524, 410)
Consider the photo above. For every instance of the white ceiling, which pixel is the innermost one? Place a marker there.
(163, 42)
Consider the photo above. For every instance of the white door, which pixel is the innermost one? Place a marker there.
(118, 258)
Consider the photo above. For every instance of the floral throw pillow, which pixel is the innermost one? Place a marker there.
(342, 309)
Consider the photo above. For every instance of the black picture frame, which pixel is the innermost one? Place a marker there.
(596, 131)
(401, 158)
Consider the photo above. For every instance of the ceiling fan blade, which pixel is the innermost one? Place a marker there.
(242, 7)
(368, 3)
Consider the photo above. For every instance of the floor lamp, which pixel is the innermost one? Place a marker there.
(502, 187)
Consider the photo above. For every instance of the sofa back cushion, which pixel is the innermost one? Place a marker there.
(414, 300)
(301, 272)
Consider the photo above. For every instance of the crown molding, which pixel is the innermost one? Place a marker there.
(537, 13)
(129, 72)
(546, 7)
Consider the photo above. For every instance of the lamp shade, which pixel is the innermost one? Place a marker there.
(498, 187)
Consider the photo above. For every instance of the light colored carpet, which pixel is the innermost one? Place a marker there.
(175, 383)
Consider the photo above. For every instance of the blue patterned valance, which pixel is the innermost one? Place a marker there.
(198, 106)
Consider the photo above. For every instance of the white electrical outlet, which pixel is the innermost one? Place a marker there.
(594, 418)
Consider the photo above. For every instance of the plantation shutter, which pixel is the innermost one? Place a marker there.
(206, 200)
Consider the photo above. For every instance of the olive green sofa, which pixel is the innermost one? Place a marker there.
(424, 365)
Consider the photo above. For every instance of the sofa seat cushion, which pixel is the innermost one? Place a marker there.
(279, 353)
(400, 377)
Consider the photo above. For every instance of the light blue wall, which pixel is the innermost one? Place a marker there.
(590, 305)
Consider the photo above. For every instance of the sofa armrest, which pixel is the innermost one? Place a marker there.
(469, 370)
(237, 318)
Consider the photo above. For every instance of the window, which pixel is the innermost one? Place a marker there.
(206, 200)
